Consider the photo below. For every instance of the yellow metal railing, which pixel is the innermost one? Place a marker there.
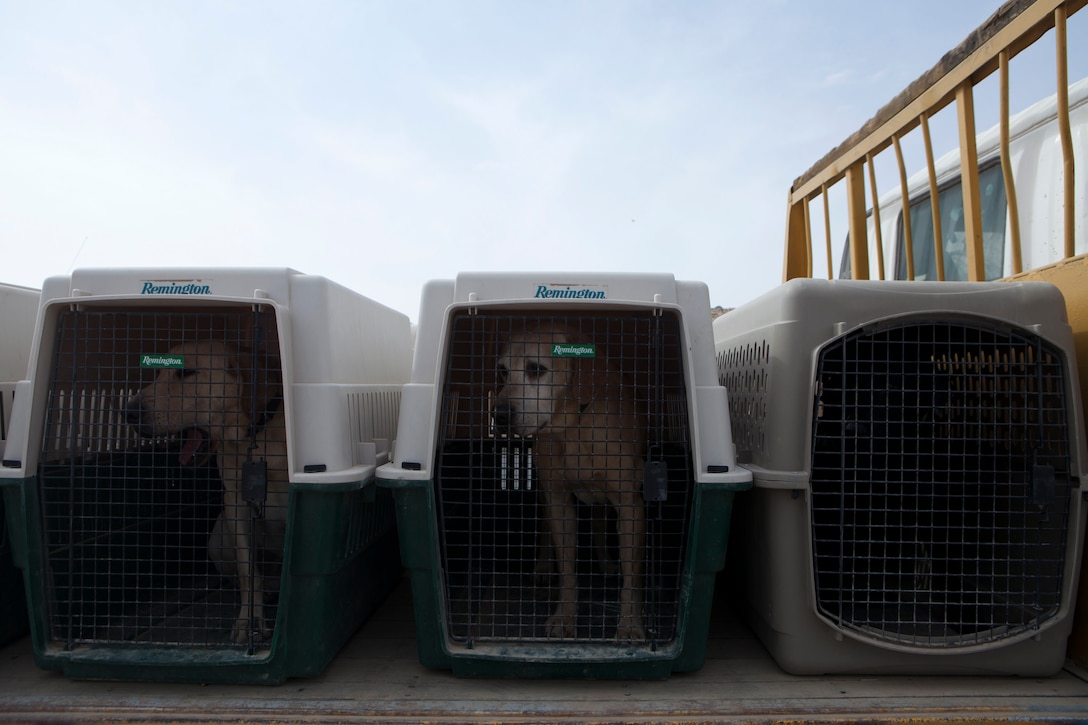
(1013, 28)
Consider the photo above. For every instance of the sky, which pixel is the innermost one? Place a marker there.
(383, 144)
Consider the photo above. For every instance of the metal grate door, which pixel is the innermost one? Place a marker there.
(941, 482)
(128, 514)
(501, 561)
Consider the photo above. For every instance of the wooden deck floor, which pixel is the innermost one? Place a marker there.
(377, 678)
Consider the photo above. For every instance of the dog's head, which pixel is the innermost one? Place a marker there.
(537, 381)
(205, 399)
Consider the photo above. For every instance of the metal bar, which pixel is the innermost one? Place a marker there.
(934, 202)
(972, 214)
(1006, 168)
(798, 257)
(908, 239)
(827, 232)
(859, 245)
(1068, 169)
(808, 238)
(877, 231)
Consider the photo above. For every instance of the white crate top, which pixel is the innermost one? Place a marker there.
(828, 308)
(174, 282)
(774, 342)
(574, 287)
(18, 310)
(338, 350)
(564, 292)
(336, 334)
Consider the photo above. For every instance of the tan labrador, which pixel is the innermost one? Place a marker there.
(589, 438)
(209, 403)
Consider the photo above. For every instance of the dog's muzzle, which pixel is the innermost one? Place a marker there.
(503, 415)
(195, 442)
(137, 417)
(510, 422)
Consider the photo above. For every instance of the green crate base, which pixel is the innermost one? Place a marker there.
(712, 508)
(13, 619)
(325, 596)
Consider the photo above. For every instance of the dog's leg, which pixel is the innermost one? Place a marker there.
(599, 527)
(251, 611)
(631, 524)
(543, 569)
(563, 523)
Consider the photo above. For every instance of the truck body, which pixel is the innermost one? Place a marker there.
(377, 678)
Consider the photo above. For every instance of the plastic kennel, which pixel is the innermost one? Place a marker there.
(18, 308)
(564, 446)
(918, 459)
(193, 456)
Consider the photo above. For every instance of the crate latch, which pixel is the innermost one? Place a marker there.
(655, 480)
(254, 482)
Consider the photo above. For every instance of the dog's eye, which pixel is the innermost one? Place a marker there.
(501, 369)
(535, 370)
(186, 372)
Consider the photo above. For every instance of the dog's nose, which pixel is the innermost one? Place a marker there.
(134, 411)
(503, 414)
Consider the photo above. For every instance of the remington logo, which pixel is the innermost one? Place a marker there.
(162, 361)
(567, 292)
(561, 350)
(173, 287)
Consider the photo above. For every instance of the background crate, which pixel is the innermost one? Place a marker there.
(18, 308)
(475, 538)
(121, 523)
(918, 457)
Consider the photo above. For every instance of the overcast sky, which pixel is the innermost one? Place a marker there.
(383, 144)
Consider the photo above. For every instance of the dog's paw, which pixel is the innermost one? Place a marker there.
(246, 630)
(629, 627)
(561, 625)
(543, 571)
(630, 630)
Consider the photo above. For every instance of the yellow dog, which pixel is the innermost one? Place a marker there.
(210, 403)
(589, 436)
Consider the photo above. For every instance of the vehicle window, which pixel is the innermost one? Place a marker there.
(950, 199)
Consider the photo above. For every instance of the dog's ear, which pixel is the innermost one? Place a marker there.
(262, 383)
(232, 365)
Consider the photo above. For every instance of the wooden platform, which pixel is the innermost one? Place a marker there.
(377, 678)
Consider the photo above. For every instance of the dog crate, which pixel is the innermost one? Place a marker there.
(194, 455)
(564, 475)
(918, 457)
(18, 307)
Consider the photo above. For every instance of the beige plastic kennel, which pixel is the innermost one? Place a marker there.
(918, 452)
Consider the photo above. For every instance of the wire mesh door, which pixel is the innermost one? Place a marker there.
(147, 411)
(941, 482)
(564, 477)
